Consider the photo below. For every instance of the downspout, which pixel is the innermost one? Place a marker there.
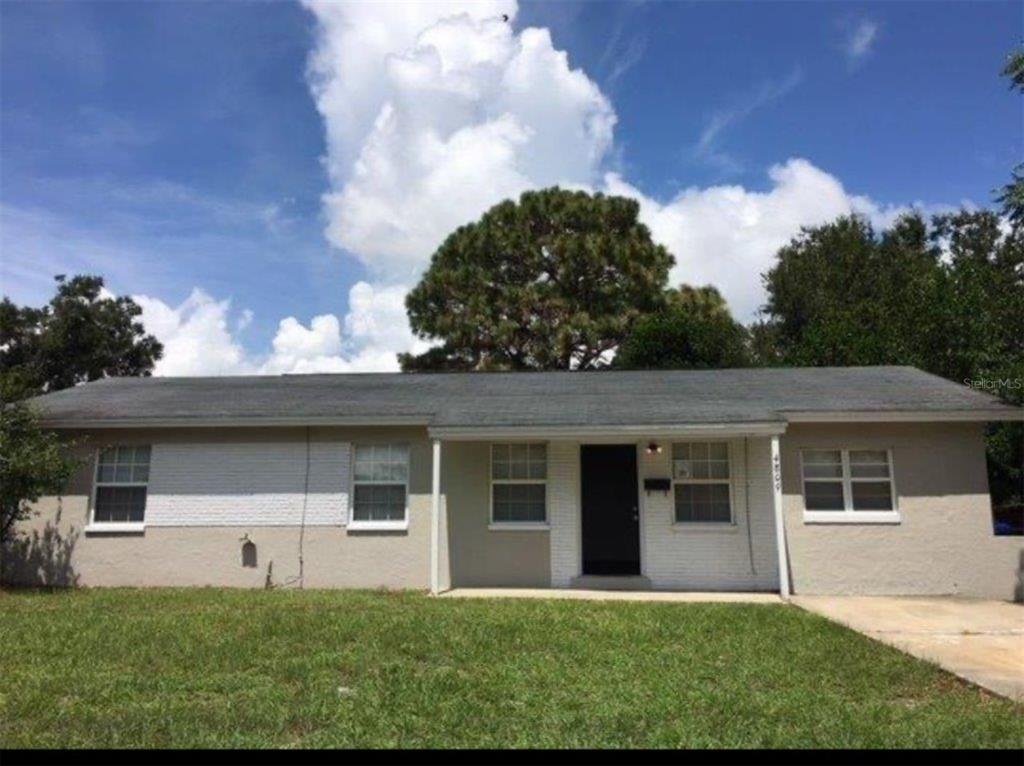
(435, 520)
(780, 526)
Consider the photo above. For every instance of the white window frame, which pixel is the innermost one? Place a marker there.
(518, 526)
(848, 515)
(116, 526)
(672, 471)
(396, 525)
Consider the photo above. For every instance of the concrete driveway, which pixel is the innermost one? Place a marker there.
(981, 641)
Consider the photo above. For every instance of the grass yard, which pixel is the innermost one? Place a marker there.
(219, 668)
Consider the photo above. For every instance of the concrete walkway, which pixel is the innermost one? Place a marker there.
(981, 641)
(615, 595)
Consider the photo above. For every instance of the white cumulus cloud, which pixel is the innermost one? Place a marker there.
(727, 236)
(198, 339)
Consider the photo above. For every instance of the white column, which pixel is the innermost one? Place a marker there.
(435, 521)
(780, 525)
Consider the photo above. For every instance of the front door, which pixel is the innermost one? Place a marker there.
(611, 521)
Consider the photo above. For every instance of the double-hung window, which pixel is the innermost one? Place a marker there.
(848, 485)
(700, 478)
(122, 475)
(519, 474)
(380, 486)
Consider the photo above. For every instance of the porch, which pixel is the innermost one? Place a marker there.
(639, 510)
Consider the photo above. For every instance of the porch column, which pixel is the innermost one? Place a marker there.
(780, 526)
(435, 521)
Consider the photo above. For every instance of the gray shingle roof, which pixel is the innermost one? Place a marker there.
(459, 400)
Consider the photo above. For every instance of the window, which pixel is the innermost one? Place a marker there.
(380, 485)
(848, 485)
(122, 474)
(700, 476)
(519, 475)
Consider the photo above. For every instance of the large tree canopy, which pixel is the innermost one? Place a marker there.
(553, 281)
(946, 297)
(694, 331)
(80, 335)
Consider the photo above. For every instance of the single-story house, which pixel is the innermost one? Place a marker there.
(868, 480)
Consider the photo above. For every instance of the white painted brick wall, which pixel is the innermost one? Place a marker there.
(250, 484)
(675, 557)
(563, 511)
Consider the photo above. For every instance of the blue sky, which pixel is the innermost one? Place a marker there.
(181, 146)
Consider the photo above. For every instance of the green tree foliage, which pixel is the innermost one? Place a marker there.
(80, 335)
(33, 463)
(694, 331)
(1011, 196)
(553, 281)
(946, 297)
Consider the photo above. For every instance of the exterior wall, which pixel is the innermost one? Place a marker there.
(737, 556)
(944, 542)
(478, 555)
(194, 529)
(564, 512)
(248, 483)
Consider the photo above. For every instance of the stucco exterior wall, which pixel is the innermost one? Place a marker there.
(944, 542)
(737, 556)
(196, 552)
(481, 556)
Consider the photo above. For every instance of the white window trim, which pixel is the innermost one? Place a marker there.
(719, 526)
(114, 526)
(517, 526)
(379, 525)
(848, 515)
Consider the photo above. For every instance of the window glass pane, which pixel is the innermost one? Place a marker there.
(719, 469)
(108, 455)
(120, 504)
(499, 470)
(702, 503)
(519, 469)
(701, 469)
(499, 452)
(872, 496)
(682, 469)
(868, 456)
(124, 454)
(106, 473)
(823, 471)
(123, 472)
(519, 453)
(823, 456)
(823, 496)
(719, 451)
(378, 502)
(869, 471)
(519, 502)
(699, 451)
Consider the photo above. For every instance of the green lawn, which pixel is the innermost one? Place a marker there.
(217, 668)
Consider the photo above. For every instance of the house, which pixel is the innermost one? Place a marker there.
(866, 480)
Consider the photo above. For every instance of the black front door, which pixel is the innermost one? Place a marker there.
(611, 522)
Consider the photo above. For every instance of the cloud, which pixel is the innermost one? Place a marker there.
(198, 341)
(859, 40)
(195, 335)
(728, 235)
(434, 112)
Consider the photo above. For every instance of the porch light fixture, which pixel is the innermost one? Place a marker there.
(653, 448)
